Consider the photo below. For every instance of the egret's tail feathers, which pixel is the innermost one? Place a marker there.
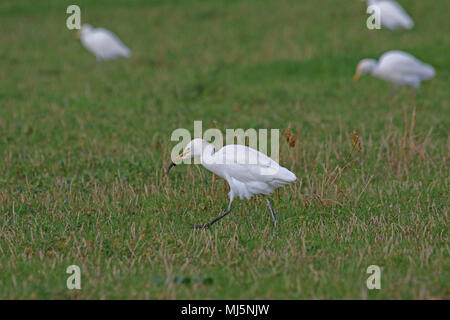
(428, 72)
(126, 52)
(409, 24)
(286, 176)
(406, 21)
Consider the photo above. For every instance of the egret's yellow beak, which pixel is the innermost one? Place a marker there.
(77, 34)
(356, 76)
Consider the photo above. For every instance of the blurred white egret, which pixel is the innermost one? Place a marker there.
(392, 15)
(397, 67)
(103, 43)
(247, 171)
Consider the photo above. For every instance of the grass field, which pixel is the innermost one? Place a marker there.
(83, 152)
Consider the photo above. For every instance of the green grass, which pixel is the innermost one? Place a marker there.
(83, 151)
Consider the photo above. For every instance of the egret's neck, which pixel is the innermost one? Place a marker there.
(207, 154)
(371, 66)
(207, 158)
(85, 30)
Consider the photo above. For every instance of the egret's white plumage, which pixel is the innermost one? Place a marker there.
(397, 67)
(247, 171)
(392, 15)
(103, 43)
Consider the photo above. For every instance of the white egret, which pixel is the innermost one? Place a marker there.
(103, 43)
(392, 15)
(247, 171)
(397, 67)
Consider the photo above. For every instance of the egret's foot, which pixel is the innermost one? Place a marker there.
(207, 225)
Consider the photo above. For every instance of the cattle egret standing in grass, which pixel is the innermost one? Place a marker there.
(392, 15)
(103, 43)
(247, 171)
(397, 67)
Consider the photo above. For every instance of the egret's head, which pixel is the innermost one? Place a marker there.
(193, 149)
(85, 28)
(363, 67)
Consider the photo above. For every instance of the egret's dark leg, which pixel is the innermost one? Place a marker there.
(272, 213)
(207, 225)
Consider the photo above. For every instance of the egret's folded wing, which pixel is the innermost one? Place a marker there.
(402, 62)
(109, 42)
(247, 164)
(393, 15)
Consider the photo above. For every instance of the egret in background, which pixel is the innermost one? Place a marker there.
(392, 15)
(247, 171)
(397, 67)
(103, 43)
